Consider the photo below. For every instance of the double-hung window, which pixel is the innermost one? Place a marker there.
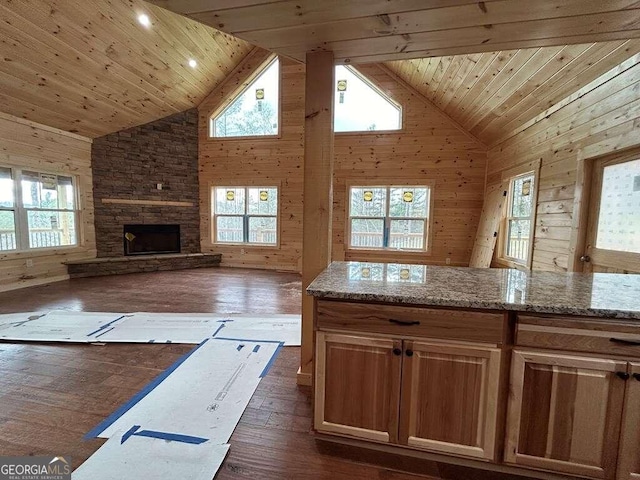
(389, 217)
(245, 215)
(37, 210)
(518, 228)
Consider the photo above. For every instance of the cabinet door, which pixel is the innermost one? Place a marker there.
(629, 459)
(450, 398)
(565, 413)
(357, 389)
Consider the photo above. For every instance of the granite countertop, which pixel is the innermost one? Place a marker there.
(600, 294)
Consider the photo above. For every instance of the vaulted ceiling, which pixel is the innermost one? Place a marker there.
(494, 94)
(89, 66)
(363, 31)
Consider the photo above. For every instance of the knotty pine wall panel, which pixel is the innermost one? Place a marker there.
(429, 149)
(602, 118)
(29, 145)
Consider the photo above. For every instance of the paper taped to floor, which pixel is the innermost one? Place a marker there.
(62, 326)
(145, 457)
(13, 318)
(283, 328)
(143, 327)
(163, 328)
(203, 395)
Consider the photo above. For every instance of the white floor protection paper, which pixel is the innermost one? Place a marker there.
(13, 318)
(163, 328)
(146, 457)
(203, 395)
(283, 328)
(62, 326)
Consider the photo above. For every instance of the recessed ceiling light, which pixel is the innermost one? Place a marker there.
(193, 63)
(144, 20)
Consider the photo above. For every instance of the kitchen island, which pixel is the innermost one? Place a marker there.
(522, 372)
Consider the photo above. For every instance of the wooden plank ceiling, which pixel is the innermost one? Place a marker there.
(493, 95)
(89, 66)
(362, 31)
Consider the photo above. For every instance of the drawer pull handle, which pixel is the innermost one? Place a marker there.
(409, 353)
(623, 375)
(622, 341)
(397, 351)
(404, 322)
(636, 376)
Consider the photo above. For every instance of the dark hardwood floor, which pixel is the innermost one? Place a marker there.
(52, 394)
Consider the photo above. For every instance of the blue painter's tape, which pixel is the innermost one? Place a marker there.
(105, 331)
(252, 340)
(107, 422)
(218, 330)
(225, 320)
(271, 360)
(240, 347)
(172, 437)
(128, 434)
(256, 348)
(107, 325)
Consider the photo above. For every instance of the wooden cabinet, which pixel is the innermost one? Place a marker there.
(629, 459)
(450, 398)
(565, 413)
(432, 396)
(357, 386)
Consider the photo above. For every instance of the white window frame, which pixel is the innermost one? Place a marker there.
(504, 230)
(379, 91)
(246, 216)
(387, 218)
(21, 212)
(234, 95)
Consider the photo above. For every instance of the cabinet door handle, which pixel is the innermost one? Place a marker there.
(636, 376)
(397, 351)
(622, 341)
(623, 375)
(409, 353)
(404, 322)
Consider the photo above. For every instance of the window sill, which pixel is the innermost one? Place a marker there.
(386, 251)
(369, 132)
(505, 262)
(248, 137)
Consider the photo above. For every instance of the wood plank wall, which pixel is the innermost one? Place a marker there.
(430, 149)
(30, 145)
(601, 118)
(258, 161)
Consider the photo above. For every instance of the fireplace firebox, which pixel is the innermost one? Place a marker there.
(151, 239)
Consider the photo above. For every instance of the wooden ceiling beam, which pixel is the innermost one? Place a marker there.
(360, 31)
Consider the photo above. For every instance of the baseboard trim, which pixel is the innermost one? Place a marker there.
(303, 378)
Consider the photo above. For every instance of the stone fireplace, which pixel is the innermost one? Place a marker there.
(147, 177)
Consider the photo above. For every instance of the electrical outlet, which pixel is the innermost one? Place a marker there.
(29, 263)
(448, 261)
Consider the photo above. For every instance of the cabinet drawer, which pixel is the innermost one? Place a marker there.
(579, 334)
(411, 321)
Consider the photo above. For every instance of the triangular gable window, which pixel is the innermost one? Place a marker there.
(253, 112)
(360, 106)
